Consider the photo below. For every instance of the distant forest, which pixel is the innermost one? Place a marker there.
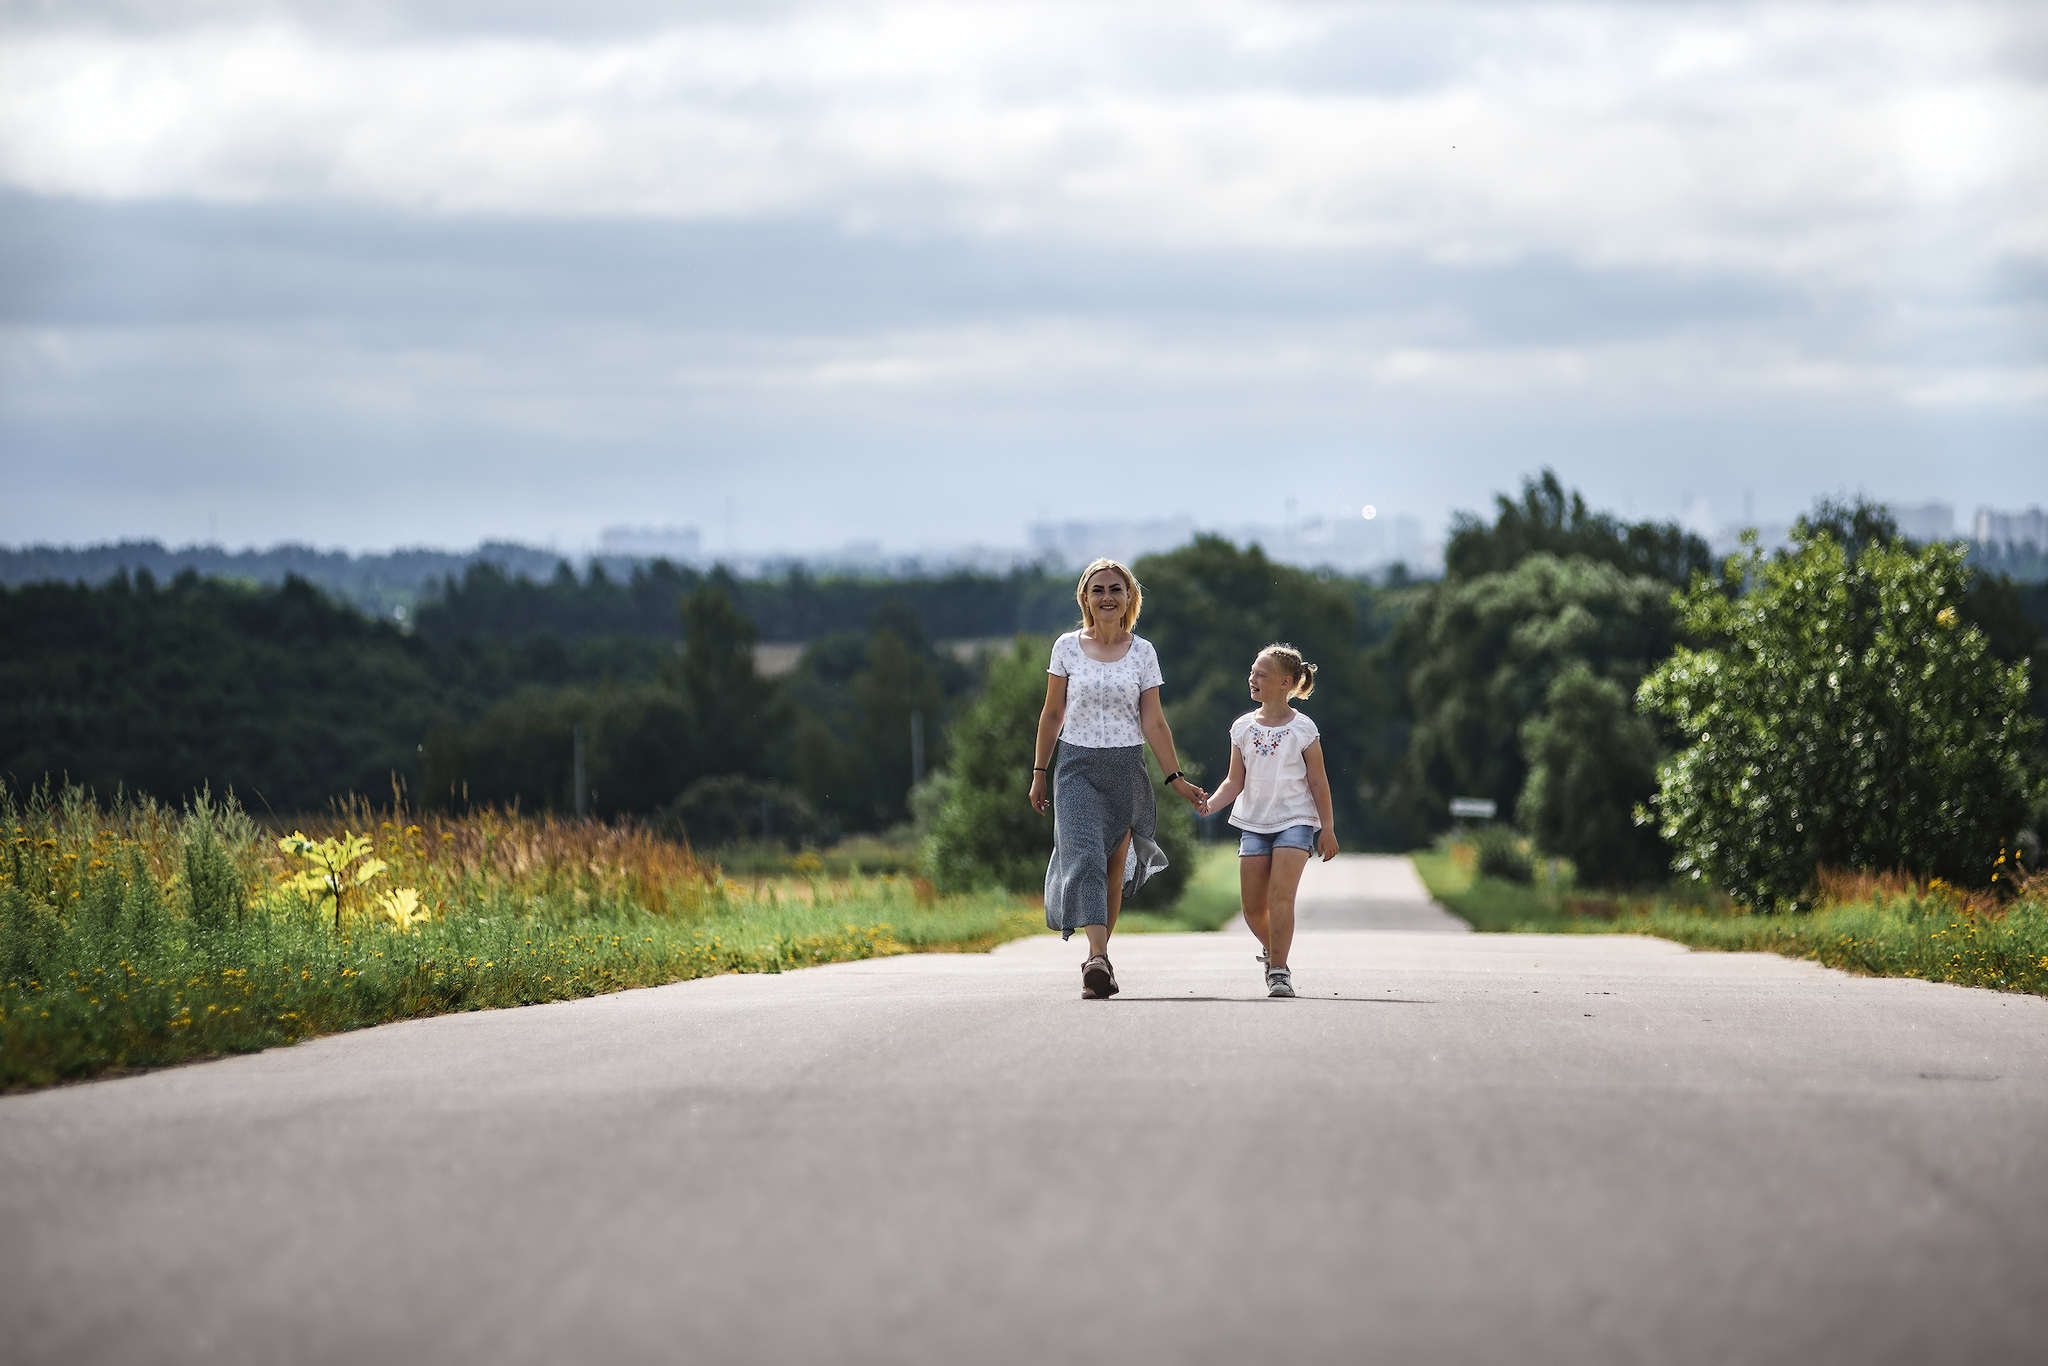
(488, 602)
(292, 697)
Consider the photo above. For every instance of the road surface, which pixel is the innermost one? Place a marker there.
(1453, 1147)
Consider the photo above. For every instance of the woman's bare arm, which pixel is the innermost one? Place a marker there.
(1152, 720)
(1050, 719)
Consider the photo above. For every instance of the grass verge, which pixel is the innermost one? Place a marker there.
(142, 936)
(1882, 927)
(1207, 902)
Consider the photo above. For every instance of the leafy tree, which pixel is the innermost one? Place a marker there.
(980, 826)
(856, 695)
(1592, 763)
(1549, 520)
(1485, 651)
(1839, 712)
(736, 716)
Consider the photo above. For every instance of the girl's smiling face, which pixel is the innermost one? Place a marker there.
(1269, 680)
(1107, 597)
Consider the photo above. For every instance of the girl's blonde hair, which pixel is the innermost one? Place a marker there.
(1130, 616)
(1299, 671)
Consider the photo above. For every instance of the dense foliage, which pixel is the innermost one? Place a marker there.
(1592, 766)
(277, 693)
(980, 826)
(1483, 654)
(1547, 591)
(1839, 711)
(487, 602)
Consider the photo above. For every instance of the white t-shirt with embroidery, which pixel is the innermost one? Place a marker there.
(1276, 793)
(1102, 699)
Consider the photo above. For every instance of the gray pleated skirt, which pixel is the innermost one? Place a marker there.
(1097, 794)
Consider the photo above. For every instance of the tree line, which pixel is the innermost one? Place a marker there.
(1518, 677)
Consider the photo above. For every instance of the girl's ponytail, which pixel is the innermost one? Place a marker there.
(1299, 671)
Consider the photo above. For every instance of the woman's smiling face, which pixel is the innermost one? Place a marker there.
(1107, 597)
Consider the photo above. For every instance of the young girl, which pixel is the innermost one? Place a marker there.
(1276, 762)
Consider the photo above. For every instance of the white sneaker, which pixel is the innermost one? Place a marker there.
(1260, 955)
(1279, 982)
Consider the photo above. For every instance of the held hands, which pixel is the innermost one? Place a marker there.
(1193, 795)
(1326, 844)
(1040, 798)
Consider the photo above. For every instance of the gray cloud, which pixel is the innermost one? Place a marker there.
(862, 294)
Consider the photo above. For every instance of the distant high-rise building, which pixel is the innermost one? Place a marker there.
(1073, 544)
(1992, 527)
(651, 542)
(1925, 521)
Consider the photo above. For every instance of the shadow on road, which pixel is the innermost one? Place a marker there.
(1256, 1000)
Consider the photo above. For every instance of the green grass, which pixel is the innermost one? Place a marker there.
(1206, 903)
(1929, 932)
(122, 947)
(897, 852)
(290, 978)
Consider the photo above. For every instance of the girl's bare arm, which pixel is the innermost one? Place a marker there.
(1319, 788)
(1234, 784)
(1050, 719)
(1152, 720)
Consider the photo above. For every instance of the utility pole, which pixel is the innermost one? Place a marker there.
(916, 748)
(582, 787)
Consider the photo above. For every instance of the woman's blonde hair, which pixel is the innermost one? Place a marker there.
(1130, 616)
(1300, 672)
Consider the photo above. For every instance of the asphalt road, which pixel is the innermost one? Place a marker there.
(1454, 1147)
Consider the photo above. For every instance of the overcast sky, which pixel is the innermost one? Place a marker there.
(373, 274)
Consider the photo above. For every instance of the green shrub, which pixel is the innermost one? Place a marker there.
(728, 809)
(981, 830)
(1839, 712)
(1500, 854)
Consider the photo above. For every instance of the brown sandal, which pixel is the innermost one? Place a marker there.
(1098, 979)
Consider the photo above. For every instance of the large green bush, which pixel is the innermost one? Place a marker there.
(981, 829)
(1839, 712)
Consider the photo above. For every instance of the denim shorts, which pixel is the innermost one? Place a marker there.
(1252, 844)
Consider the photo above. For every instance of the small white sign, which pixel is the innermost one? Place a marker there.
(1473, 806)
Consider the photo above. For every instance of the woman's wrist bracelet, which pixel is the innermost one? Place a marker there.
(1035, 768)
(1177, 773)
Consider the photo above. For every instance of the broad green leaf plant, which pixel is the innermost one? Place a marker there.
(339, 868)
(1837, 712)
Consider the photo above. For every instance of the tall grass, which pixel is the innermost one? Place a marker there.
(1885, 925)
(135, 934)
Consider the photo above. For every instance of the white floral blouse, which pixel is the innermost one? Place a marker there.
(1102, 699)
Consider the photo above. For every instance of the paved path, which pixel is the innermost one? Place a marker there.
(1365, 892)
(1457, 1148)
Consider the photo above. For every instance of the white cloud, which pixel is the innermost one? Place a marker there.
(1783, 139)
(734, 242)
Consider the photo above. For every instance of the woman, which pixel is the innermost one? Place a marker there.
(1101, 710)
